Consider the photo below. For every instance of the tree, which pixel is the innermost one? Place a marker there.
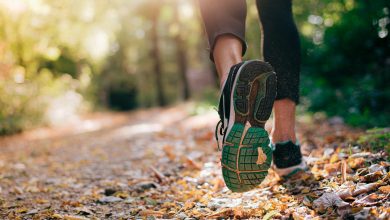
(181, 53)
(155, 53)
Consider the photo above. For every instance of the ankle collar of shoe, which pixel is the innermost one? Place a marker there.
(273, 145)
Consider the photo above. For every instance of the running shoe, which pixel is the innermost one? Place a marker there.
(288, 159)
(245, 105)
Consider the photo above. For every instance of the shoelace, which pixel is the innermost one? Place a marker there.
(221, 129)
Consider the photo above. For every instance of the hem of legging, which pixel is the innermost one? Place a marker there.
(292, 98)
(217, 35)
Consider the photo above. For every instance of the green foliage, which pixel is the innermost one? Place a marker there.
(23, 105)
(377, 139)
(346, 49)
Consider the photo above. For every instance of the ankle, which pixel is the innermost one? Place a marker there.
(277, 137)
(223, 78)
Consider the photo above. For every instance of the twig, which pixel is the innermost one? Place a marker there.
(343, 171)
(161, 177)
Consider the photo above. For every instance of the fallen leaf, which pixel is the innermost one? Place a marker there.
(151, 213)
(192, 164)
(329, 200)
(270, 214)
(216, 203)
(121, 194)
(369, 200)
(307, 201)
(74, 217)
(365, 188)
(355, 163)
(376, 167)
(385, 189)
(18, 190)
(305, 190)
(236, 213)
(372, 177)
(334, 158)
(109, 199)
(332, 168)
(261, 156)
(188, 205)
(218, 184)
(361, 155)
(169, 152)
(22, 210)
(32, 212)
(226, 212)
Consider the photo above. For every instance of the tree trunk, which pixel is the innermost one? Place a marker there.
(155, 54)
(181, 55)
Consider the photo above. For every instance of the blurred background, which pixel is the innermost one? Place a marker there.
(59, 59)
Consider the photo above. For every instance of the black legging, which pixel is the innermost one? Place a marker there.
(281, 40)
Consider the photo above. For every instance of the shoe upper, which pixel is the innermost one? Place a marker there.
(224, 104)
(287, 154)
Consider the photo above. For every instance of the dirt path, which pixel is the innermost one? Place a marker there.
(163, 163)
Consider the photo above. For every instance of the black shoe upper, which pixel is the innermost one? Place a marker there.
(287, 154)
(225, 101)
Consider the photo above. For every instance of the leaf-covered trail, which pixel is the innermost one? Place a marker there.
(163, 163)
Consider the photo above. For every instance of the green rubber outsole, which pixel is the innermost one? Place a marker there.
(240, 169)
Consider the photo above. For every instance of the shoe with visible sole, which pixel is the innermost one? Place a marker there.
(287, 159)
(245, 105)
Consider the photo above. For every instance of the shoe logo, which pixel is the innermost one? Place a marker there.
(261, 158)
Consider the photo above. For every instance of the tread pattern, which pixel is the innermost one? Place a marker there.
(248, 75)
(263, 107)
(240, 151)
(239, 157)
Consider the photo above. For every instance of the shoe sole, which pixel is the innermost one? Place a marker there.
(253, 96)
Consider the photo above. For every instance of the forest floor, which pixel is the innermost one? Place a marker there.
(164, 163)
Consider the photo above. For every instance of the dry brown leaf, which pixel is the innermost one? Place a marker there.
(151, 213)
(365, 188)
(371, 177)
(369, 200)
(385, 189)
(188, 205)
(332, 168)
(169, 152)
(226, 212)
(18, 190)
(305, 190)
(334, 158)
(74, 217)
(21, 210)
(261, 156)
(68, 217)
(346, 194)
(237, 213)
(192, 164)
(329, 200)
(355, 163)
(218, 184)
